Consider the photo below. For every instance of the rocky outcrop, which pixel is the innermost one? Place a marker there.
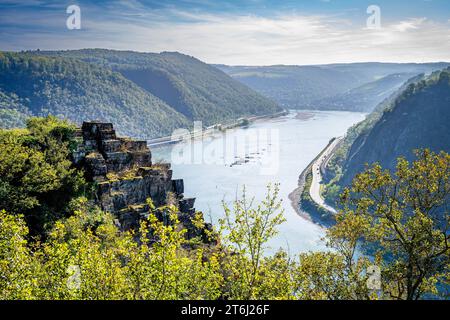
(125, 177)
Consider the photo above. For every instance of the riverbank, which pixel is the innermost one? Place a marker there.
(241, 122)
(211, 180)
(306, 205)
(318, 169)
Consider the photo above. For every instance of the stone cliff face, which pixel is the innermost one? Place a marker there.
(125, 177)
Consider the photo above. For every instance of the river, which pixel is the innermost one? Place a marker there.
(268, 151)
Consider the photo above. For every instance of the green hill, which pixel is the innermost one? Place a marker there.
(72, 89)
(293, 87)
(328, 87)
(417, 117)
(334, 166)
(195, 89)
(366, 97)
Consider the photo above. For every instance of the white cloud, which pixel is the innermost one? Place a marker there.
(256, 40)
(408, 24)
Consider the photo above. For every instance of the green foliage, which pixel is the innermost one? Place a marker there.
(36, 174)
(329, 276)
(39, 85)
(403, 218)
(86, 257)
(332, 192)
(195, 89)
(245, 232)
(400, 217)
(16, 264)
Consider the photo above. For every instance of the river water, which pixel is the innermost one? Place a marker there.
(216, 167)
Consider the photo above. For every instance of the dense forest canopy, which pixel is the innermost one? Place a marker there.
(145, 95)
(193, 88)
(350, 87)
(37, 176)
(414, 117)
(79, 91)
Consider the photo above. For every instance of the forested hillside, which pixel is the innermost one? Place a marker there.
(328, 87)
(146, 95)
(193, 88)
(293, 86)
(72, 89)
(415, 117)
(419, 118)
(366, 97)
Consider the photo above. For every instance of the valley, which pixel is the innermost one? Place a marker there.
(346, 87)
(232, 157)
(211, 179)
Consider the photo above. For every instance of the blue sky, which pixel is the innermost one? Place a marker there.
(252, 32)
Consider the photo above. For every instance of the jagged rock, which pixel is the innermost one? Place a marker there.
(147, 171)
(118, 161)
(178, 186)
(118, 194)
(134, 145)
(96, 130)
(187, 205)
(140, 158)
(126, 177)
(95, 165)
(113, 145)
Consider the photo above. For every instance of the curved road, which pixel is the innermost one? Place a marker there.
(314, 191)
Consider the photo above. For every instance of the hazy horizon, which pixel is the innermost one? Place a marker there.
(240, 65)
(238, 33)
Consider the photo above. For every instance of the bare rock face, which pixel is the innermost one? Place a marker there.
(126, 177)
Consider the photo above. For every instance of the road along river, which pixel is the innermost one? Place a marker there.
(216, 167)
(314, 191)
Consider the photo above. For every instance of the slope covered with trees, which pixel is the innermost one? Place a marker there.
(293, 87)
(415, 117)
(365, 98)
(193, 88)
(37, 178)
(418, 119)
(328, 87)
(72, 89)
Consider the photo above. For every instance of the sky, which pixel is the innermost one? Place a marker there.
(251, 32)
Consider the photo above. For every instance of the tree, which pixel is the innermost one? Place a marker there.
(245, 231)
(36, 175)
(16, 264)
(86, 257)
(402, 220)
(328, 276)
